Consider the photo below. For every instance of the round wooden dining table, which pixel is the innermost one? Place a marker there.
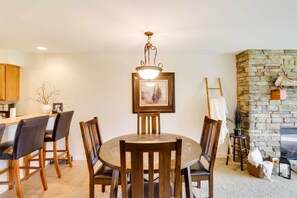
(109, 154)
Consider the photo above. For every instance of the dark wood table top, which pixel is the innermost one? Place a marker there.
(109, 152)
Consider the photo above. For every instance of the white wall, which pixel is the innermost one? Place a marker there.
(101, 85)
(11, 56)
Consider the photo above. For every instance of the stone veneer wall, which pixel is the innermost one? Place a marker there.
(257, 70)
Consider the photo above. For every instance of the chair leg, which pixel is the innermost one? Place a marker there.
(210, 186)
(42, 172)
(103, 188)
(68, 152)
(91, 188)
(17, 179)
(246, 148)
(44, 153)
(27, 163)
(234, 144)
(240, 154)
(56, 160)
(188, 183)
(11, 173)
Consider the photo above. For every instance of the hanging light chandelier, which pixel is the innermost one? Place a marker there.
(146, 70)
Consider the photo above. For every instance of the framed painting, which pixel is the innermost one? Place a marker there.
(153, 95)
(57, 107)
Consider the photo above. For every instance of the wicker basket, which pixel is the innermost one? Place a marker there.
(256, 172)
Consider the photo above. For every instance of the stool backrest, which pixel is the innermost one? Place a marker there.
(62, 125)
(29, 136)
(2, 128)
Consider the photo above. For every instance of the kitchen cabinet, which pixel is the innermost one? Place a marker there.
(9, 82)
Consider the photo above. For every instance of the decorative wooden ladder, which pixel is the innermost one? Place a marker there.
(230, 155)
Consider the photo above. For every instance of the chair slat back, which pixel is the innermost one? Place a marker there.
(148, 123)
(209, 140)
(163, 160)
(92, 141)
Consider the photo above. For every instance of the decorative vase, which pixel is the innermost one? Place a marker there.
(237, 132)
(46, 109)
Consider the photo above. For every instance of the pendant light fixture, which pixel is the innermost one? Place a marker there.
(146, 70)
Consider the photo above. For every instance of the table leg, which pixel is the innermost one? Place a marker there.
(188, 183)
(114, 184)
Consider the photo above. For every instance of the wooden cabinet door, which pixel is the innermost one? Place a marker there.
(2, 82)
(12, 83)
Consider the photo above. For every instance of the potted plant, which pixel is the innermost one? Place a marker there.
(237, 122)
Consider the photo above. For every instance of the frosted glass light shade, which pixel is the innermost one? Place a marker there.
(148, 72)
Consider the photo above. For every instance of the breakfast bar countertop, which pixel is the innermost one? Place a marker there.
(16, 120)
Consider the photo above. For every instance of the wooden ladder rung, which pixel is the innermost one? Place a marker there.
(214, 88)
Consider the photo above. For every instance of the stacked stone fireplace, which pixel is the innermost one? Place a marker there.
(257, 71)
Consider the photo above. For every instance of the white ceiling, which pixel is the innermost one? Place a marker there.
(180, 26)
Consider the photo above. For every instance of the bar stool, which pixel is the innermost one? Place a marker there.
(60, 130)
(28, 138)
(240, 148)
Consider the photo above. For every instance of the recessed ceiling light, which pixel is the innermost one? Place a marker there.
(41, 48)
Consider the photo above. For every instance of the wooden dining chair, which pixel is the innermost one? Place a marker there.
(143, 156)
(203, 169)
(148, 123)
(92, 142)
(28, 138)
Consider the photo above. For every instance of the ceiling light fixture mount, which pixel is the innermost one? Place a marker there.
(146, 70)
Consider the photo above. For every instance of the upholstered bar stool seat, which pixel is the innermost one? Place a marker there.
(6, 150)
(6, 147)
(48, 136)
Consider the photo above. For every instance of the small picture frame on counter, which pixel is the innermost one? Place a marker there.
(57, 107)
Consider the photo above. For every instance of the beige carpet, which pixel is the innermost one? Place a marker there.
(229, 182)
(232, 182)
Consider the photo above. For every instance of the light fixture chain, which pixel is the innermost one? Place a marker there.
(156, 53)
(145, 58)
(146, 70)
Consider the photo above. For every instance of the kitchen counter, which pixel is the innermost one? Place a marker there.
(16, 120)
